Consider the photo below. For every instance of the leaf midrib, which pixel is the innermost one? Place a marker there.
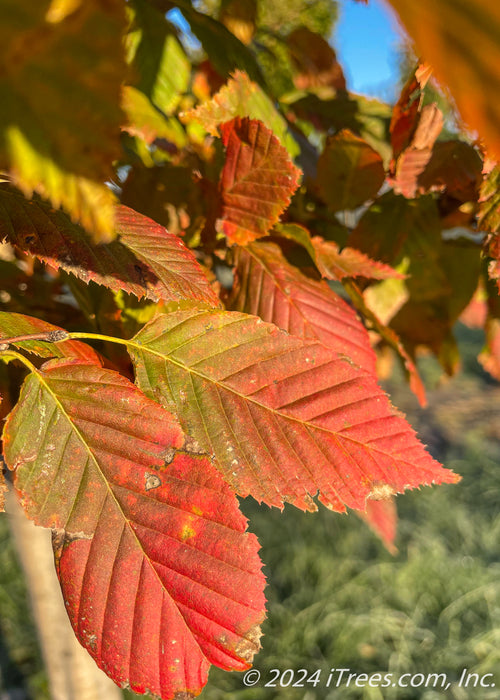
(128, 522)
(277, 412)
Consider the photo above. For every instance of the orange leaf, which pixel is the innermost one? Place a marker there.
(412, 162)
(407, 108)
(382, 517)
(257, 180)
(460, 40)
(336, 264)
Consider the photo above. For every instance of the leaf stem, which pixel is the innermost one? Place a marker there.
(98, 336)
(57, 336)
(48, 336)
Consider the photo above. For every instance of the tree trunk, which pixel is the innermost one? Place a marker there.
(72, 673)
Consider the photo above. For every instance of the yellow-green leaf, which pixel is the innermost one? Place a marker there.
(61, 70)
(160, 67)
(241, 97)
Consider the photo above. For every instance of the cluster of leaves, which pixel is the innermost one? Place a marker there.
(216, 274)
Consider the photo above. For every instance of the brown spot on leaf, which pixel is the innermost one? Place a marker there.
(169, 455)
(183, 696)
(61, 538)
(250, 644)
(381, 492)
(192, 446)
(153, 481)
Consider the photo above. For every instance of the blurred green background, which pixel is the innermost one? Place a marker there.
(337, 598)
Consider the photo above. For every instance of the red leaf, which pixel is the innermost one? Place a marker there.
(287, 417)
(382, 517)
(406, 111)
(267, 286)
(336, 264)
(159, 576)
(147, 261)
(178, 274)
(412, 162)
(13, 325)
(257, 180)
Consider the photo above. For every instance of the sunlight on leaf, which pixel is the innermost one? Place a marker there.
(314, 422)
(241, 97)
(159, 577)
(160, 67)
(146, 261)
(266, 285)
(257, 181)
(65, 154)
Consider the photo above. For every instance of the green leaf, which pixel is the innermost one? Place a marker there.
(148, 123)
(367, 117)
(442, 274)
(159, 577)
(60, 119)
(349, 171)
(284, 417)
(159, 65)
(225, 51)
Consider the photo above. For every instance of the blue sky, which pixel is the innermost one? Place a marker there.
(365, 39)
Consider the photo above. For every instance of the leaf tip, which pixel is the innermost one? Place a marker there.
(250, 644)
